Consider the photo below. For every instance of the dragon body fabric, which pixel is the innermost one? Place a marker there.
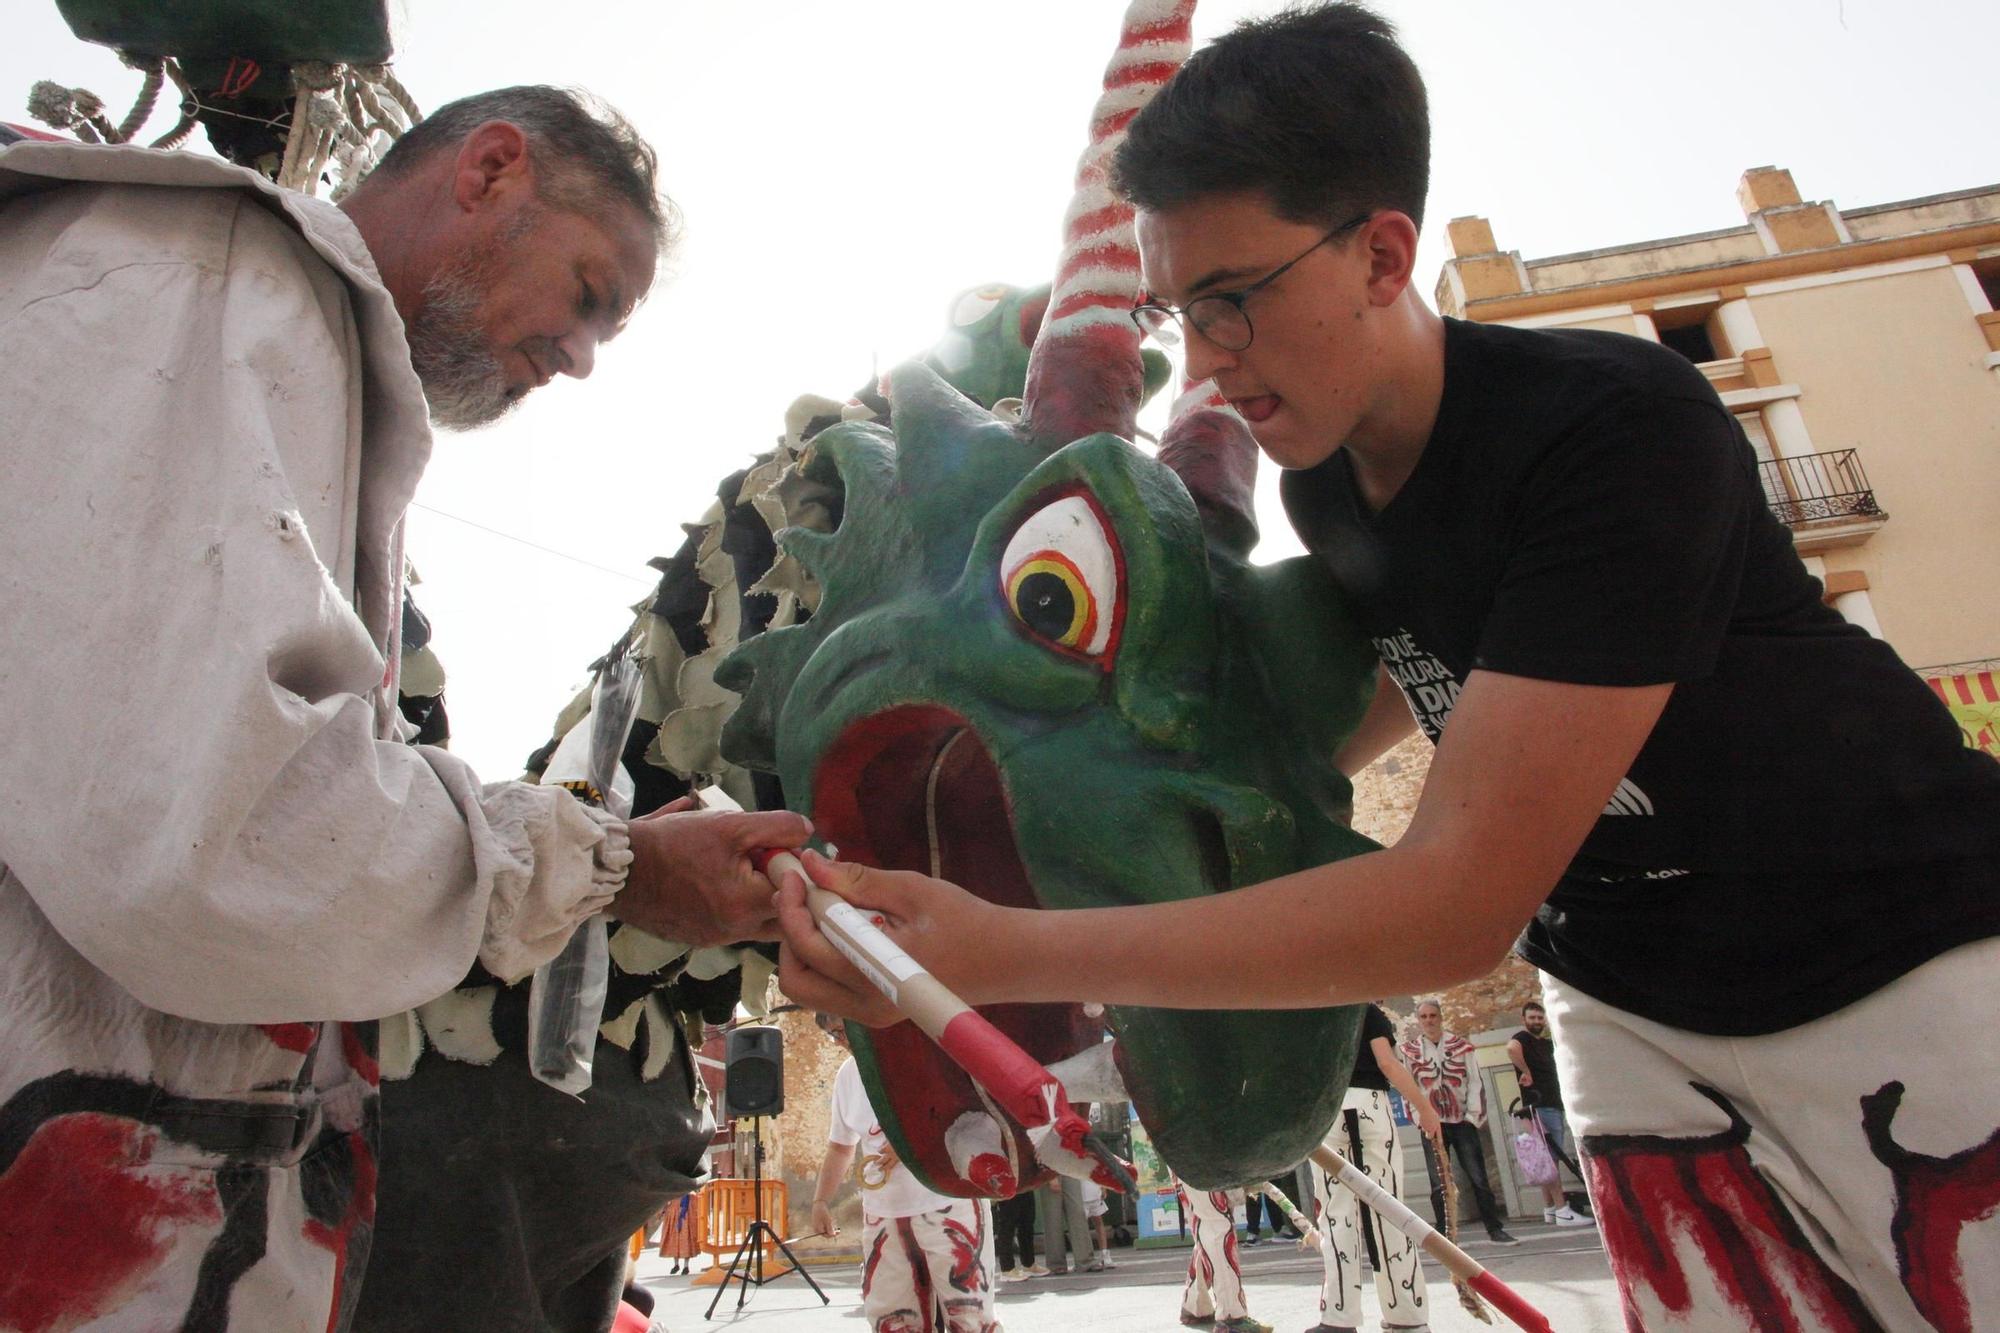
(1042, 666)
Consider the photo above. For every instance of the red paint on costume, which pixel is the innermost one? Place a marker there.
(296, 1037)
(1936, 1199)
(360, 1213)
(1663, 1201)
(84, 1220)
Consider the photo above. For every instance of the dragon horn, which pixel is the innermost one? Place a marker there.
(1084, 374)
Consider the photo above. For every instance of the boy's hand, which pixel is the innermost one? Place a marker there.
(947, 930)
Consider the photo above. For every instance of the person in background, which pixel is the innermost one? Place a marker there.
(922, 1254)
(1533, 1052)
(1066, 1240)
(1365, 1135)
(1447, 1070)
(1213, 1295)
(1014, 1237)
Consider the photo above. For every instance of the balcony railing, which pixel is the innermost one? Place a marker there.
(1814, 487)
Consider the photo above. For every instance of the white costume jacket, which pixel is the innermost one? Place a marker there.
(217, 856)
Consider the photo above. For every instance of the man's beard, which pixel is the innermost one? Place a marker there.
(461, 375)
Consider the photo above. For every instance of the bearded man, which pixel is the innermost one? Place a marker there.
(219, 859)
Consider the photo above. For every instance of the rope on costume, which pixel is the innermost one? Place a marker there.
(149, 94)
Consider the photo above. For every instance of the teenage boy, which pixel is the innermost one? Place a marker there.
(1741, 840)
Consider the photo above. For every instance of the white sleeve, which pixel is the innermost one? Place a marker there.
(842, 1128)
(191, 788)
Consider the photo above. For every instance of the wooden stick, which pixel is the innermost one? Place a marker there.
(1457, 1262)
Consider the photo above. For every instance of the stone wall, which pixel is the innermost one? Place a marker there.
(795, 1142)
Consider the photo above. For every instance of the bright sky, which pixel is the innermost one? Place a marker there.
(846, 169)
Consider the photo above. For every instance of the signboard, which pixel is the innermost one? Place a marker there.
(1158, 1202)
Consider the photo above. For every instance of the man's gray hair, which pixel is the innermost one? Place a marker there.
(1430, 1000)
(584, 152)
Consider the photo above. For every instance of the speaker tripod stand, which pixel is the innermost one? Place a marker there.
(748, 1265)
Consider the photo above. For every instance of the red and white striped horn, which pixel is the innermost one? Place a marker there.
(1084, 374)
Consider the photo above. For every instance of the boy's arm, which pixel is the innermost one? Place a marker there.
(1522, 774)
(1387, 721)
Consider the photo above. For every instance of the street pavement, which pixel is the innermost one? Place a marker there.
(1562, 1272)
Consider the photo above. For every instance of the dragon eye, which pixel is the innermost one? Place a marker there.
(1061, 577)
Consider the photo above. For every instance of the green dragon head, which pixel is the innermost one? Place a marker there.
(1042, 667)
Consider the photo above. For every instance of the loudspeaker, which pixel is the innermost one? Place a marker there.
(754, 1074)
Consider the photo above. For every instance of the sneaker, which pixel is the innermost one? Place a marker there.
(1014, 1274)
(1251, 1238)
(1096, 1266)
(1242, 1324)
(1499, 1236)
(1034, 1270)
(1566, 1217)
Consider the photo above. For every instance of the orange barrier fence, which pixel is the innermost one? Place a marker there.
(719, 1218)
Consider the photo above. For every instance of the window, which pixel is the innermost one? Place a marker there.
(1689, 330)
(1691, 341)
(1988, 273)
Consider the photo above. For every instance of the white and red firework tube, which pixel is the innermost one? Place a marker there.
(1456, 1261)
(1015, 1080)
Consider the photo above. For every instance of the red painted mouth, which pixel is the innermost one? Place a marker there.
(914, 788)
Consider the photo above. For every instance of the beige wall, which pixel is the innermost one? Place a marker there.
(1894, 366)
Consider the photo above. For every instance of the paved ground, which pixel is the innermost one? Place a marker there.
(1563, 1273)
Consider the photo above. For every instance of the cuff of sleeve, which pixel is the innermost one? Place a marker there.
(564, 863)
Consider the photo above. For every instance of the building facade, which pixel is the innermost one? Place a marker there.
(1860, 349)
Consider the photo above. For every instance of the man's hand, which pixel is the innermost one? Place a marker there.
(822, 1220)
(692, 881)
(1428, 1123)
(1527, 1079)
(951, 932)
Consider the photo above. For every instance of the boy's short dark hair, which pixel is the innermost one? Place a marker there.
(1315, 107)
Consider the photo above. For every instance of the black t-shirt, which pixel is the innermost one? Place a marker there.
(1368, 1074)
(1539, 1054)
(1804, 825)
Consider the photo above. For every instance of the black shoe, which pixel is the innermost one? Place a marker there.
(1500, 1237)
(1251, 1238)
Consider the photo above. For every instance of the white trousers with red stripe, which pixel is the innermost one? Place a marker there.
(1214, 1279)
(1840, 1175)
(913, 1267)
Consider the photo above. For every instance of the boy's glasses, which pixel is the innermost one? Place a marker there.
(1220, 317)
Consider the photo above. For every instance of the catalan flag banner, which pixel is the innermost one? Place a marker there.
(1974, 699)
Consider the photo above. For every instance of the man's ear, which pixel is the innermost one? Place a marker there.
(1391, 241)
(492, 163)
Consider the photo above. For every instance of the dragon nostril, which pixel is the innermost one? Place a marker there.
(1213, 848)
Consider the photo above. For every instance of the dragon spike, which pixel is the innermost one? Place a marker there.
(1209, 447)
(1084, 375)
